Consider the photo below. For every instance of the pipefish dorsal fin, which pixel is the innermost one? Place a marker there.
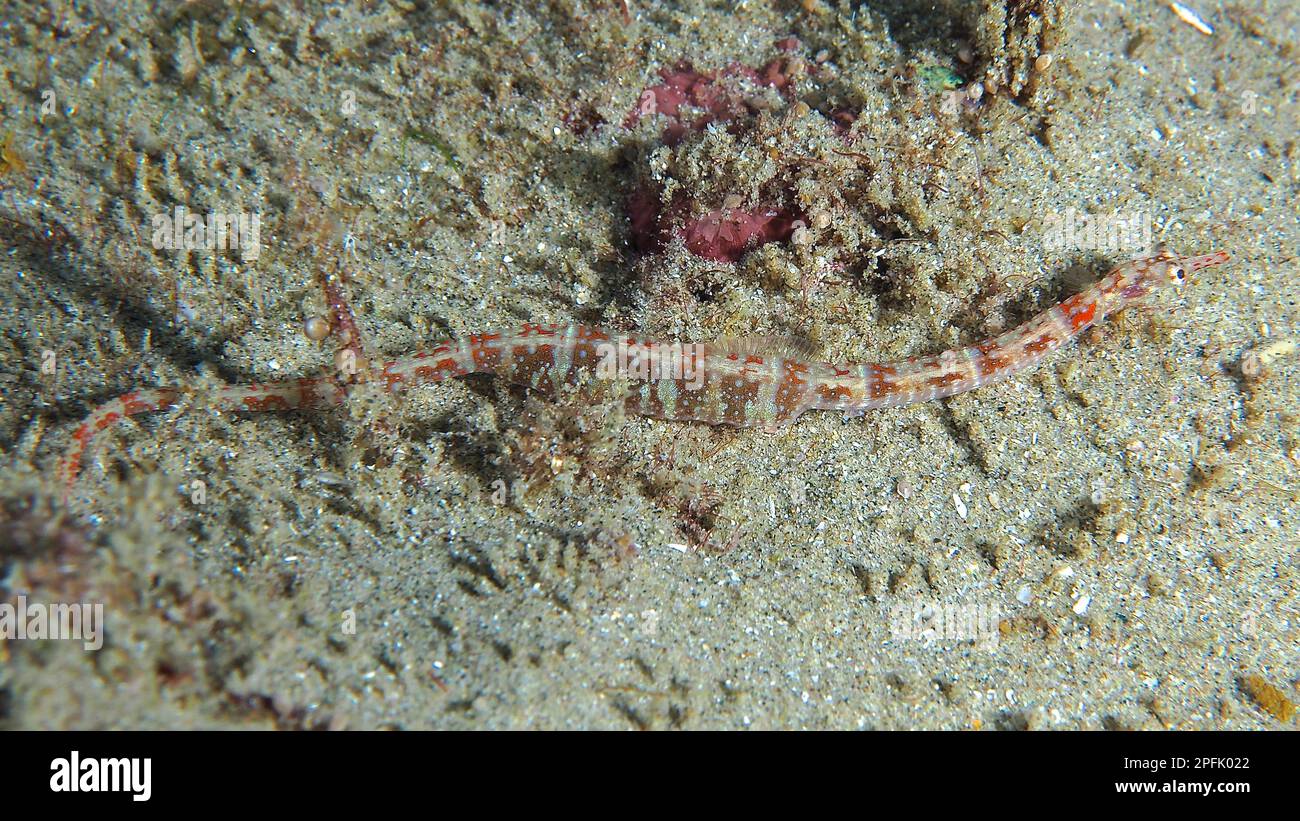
(768, 346)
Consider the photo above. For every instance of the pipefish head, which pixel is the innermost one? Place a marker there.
(1165, 269)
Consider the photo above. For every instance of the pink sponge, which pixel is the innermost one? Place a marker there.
(684, 86)
(723, 235)
(720, 234)
(726, 235)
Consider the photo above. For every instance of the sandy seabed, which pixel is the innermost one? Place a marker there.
(1108, 542)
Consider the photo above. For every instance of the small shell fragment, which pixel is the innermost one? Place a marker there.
(316, 328)
(1191, 18)
(961, 506)
(1254, 363)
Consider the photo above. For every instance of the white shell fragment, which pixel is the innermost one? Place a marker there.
(1191, 18)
